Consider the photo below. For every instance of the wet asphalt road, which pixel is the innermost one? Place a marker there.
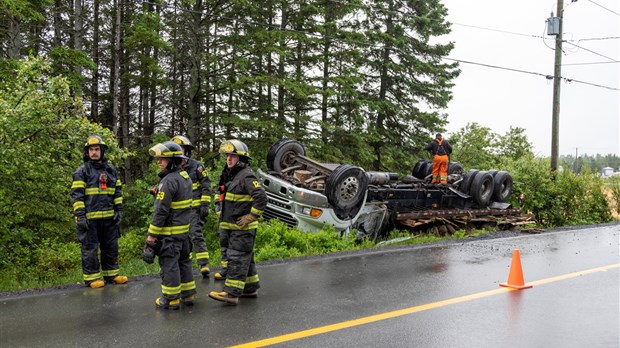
(448, 295)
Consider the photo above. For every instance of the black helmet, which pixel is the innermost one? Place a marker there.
(235, 147)
(184, 142)
(168, 149)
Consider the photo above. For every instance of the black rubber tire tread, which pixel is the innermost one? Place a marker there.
(416, 169)
(455, 168)
(493, 172)
(503, 186)
(429, 168)
(467, 179)
(481, 188)
(422, 170)
(346, 186)
(278, 155)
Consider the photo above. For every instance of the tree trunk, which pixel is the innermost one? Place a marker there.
(94, 93)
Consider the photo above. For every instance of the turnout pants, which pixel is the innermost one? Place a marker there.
(177, 280)
(440, 169)
(224, 249)
(197, 237)
(242, 276)
(101, 233)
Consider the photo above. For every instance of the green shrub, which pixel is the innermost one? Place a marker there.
(275, 240)
(138, 203)
(130, 245)
(54, 260)
(557, 199)
(613, 184)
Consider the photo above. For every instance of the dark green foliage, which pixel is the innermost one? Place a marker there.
(42, 131)
(558, 199)
(130, 245)
(275, 240)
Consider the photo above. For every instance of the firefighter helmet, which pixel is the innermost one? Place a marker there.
(95, 140)
(183, 141)
(235, 147)
(168, 149)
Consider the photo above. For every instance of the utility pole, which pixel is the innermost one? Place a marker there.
(557, 73)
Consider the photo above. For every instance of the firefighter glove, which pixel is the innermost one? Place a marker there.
(118, 217)
(148, 254)
(204, 211)
(246, 220)
(82, 222)
(153, 191)
(150, 251)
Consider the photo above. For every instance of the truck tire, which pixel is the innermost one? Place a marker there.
(416, 169)
(280, 155)
(481, 188)
(493, 172)
(346, 187)
(503, 186)
(467, 179)
(455, 168)
(428, 168)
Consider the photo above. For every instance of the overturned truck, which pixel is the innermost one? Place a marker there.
(307, 194)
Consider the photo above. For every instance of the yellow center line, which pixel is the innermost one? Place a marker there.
(415, 309)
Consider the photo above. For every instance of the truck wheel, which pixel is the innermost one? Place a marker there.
(482, 188)
(416, 169)
(467, 179)
(428, 168)
(346, 187)
(455, 168)
(503, 186)
(280, 155)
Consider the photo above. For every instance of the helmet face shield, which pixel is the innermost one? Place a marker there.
(234, 147)
(168, 149)
(183, 141)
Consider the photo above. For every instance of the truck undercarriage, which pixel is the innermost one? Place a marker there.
(307, 194)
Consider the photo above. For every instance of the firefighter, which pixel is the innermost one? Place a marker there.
(201, 200)
(441, 150)
(96, 195)
(169, 228)
(244, 200)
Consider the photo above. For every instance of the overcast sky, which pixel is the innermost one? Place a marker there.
(512, 35)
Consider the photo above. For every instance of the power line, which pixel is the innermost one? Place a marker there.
(498, 30)
(601, 38)
(548, 77)
(592, 63)
(585, 49)
(603, 7)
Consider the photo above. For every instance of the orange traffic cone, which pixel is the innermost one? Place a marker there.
(515, 278)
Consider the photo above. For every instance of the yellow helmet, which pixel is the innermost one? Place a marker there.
(95, 140)
(168, 149)
(183, 141)
(235, 147)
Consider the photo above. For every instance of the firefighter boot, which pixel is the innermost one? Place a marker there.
(119, 279)
(205, 271)
(188, 300)
(96, 284)
(221, 275)
(164, 303)
(224, 297)
(251, 294)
